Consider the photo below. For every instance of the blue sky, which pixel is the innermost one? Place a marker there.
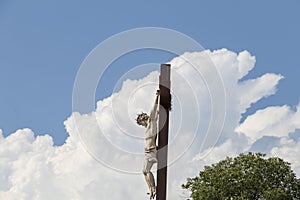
(42, 45)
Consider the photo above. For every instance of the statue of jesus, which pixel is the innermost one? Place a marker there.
(150, 123)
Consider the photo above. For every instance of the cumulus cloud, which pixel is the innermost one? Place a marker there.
(277, 121)
(35, 169)
(288, 149)
(103, 156)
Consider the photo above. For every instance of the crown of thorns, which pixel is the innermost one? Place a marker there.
(141, 117)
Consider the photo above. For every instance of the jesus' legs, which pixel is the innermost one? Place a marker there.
(149, 177)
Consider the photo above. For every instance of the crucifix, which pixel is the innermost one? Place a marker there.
(153, 153)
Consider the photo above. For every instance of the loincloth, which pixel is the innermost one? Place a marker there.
(154, 148)
(151, 154)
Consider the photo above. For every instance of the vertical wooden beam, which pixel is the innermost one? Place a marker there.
(165, 106)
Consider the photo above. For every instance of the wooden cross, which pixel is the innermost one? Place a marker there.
(165, 106)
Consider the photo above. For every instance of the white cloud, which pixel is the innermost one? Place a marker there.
(276, 121)
(254, 89)
(289, 150)
(103, 156)
(35, 169)
(231, 147)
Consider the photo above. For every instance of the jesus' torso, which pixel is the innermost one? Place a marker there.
(151, 134)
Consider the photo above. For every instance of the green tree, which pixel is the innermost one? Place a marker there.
(248, 176)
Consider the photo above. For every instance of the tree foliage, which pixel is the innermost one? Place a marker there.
(248, 176)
